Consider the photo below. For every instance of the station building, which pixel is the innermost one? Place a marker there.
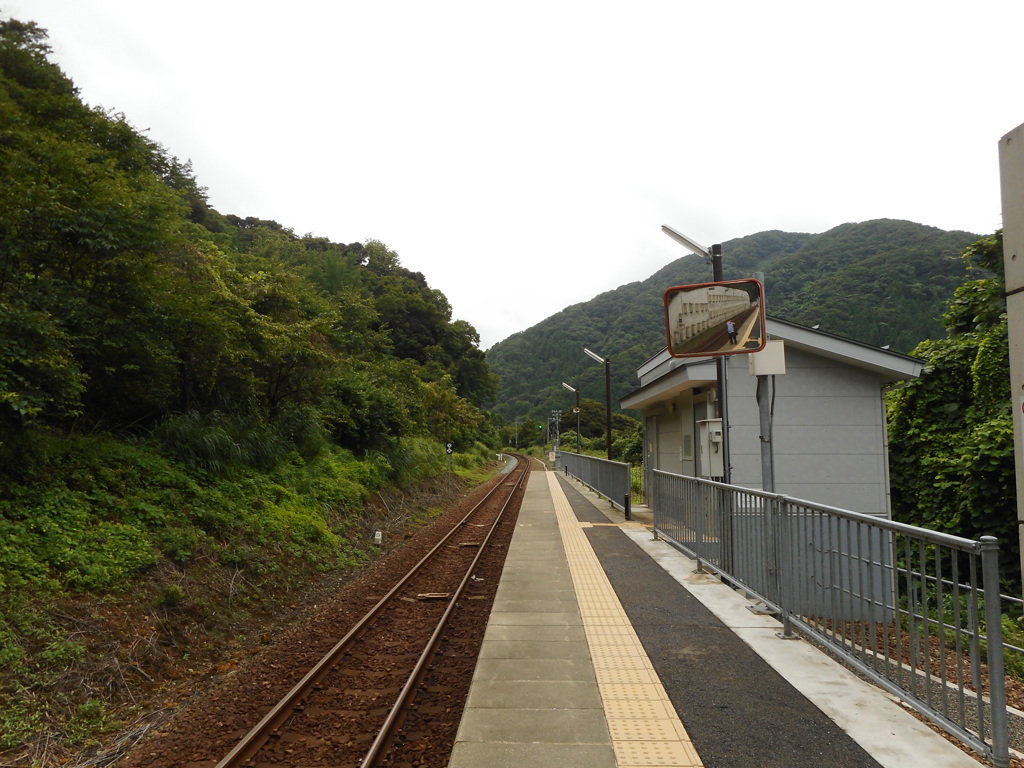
(828, 436)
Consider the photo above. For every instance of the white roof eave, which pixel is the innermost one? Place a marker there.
(890, 366)
(689, 375)
(663, 375)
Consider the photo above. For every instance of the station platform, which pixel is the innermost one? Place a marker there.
(605, 650)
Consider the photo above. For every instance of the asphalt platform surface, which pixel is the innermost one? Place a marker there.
(738, 711)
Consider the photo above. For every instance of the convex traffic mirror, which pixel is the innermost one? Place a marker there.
(712, 319)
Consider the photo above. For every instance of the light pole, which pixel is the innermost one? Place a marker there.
(577, 392)
(607, 397)
(715, 254)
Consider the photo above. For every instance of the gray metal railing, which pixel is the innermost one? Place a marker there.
(611, 479)
(916, 611)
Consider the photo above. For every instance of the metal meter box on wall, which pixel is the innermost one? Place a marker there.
(709, 439)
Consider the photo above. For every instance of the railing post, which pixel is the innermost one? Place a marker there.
(651, 489)
(996, 667)
(786, 575)
(627, 508)
(699, 545)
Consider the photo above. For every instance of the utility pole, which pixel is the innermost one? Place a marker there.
(575, 410)
(715, 254)
(723, 373)
(607, 397)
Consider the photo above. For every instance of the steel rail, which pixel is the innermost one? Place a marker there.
(385, 737)
(255, 739)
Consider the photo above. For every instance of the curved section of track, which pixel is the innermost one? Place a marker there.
(349, 706)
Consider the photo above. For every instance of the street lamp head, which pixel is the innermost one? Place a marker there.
(607, 397)
(571, 389)
(682, 239)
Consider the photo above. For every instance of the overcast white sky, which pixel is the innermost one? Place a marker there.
(523, 156)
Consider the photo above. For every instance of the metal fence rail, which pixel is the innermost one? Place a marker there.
(611, 479)
(916, 611)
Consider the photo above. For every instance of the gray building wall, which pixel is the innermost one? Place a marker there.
(829, 436)
(671, 433)
(670, 438)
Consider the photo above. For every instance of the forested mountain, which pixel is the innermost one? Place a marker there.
(882, 282)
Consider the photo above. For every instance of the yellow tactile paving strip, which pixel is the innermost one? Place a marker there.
(644, 727)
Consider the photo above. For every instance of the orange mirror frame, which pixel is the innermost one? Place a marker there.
(715, 319)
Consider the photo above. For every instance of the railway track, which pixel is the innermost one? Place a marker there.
(351, 704)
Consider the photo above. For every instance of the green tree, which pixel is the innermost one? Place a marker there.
(951, 430)
(88, 229)
(126, 301)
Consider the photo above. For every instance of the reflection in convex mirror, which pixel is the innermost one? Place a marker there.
(711, 319)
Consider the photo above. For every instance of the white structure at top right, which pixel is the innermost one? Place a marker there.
(1011, 173)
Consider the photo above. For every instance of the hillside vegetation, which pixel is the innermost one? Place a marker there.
(882, 282)
(196, 409)
(951, 430)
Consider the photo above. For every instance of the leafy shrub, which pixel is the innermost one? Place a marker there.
(172, 596)
(90, 718)
(302, 427)
(17, 721)
(951, 432)
(220, 443)
(413, 459)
